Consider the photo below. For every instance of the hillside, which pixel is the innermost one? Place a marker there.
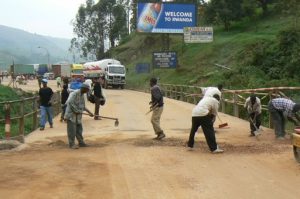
(22, 47)
(233, 49)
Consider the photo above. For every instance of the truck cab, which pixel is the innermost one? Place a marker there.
(115, 76)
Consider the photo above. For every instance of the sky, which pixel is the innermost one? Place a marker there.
(45, 17)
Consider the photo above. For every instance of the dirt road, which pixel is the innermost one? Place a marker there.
(124, 162)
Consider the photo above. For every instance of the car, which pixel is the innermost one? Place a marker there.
(49, 76)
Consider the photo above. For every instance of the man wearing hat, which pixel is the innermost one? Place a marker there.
(73, 115)
(45, 94)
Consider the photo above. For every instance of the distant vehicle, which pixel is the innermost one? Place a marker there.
(61, 70)
(49, 76)
(41, 69)
(20, 69)
(113, 72)
(77, 71)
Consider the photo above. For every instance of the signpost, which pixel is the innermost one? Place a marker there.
(198, 34)
(164, 60)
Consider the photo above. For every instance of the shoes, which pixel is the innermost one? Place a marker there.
(51, 125)
(251, 135)
(97, 118)
(74, 147)
(218, 150)
(42, 128)
(280, 138)
(83, 145)
(161, 136)
(256, 133)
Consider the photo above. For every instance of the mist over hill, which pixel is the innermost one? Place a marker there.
(22, 47)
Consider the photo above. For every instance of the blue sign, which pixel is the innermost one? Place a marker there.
(142, 68)
(165, 17)
(164, 60)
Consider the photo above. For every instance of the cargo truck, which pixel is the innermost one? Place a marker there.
(21, 69)
(112, 70)
(77, 71)
(61, 70)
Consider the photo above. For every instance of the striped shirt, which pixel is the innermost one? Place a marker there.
(284, 105)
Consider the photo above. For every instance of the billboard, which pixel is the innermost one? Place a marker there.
(164, 59)
(165, 17)
(198, 34)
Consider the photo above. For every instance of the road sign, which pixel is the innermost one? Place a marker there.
(164, 60)
(198, 34)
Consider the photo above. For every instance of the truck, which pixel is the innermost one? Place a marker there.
(42, 69)
(21, 69)
(112, 71)
(77, 71)
(61, 70)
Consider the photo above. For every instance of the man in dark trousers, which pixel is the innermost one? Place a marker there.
(253, 106)
(64, 98)
(98, 97)
(203, 115)
(45, 94)
(157, 106)
(73, 115)
(280, 108)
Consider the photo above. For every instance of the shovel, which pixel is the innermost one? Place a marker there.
(110, 118)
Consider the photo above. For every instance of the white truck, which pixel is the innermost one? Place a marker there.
(112, 70)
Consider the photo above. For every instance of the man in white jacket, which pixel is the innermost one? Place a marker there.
(203, 115)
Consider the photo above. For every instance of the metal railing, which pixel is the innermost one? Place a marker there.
(22, 113)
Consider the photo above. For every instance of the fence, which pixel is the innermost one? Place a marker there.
(232, 100)
(21, 117)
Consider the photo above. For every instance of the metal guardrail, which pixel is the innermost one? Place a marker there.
(20, 110)
(233, 98)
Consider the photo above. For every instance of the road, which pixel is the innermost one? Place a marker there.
(124, 161)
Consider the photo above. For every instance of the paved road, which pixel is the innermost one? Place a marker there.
(124, 162)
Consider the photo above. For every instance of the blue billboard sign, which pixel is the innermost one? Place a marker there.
(164, 60)
(165, 17)
(142, 68)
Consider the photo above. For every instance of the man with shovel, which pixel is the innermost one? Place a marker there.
(157, 104)
(73, 115)
(253, 106)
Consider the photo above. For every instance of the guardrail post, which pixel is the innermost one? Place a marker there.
(270, 117)
(223, 104)
(35, 114)
(7, 121)
(22, 119)
(235, 106)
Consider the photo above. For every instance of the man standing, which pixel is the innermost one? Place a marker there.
(58, 82)
(203, 115)
(157, 103)
(45, 94)
(280, 108)
(73, 115)
(64, 98)
(99, 98)
(253, 106)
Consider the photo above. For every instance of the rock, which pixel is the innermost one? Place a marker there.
(9, 144)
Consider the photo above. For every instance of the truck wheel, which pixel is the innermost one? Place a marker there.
(105, 85)
(297, 153)
(122, 86)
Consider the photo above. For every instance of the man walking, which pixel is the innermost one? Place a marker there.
(58, 82)
(253, 106)
(64, 98)
(73, 115)
(203, 115)
(157, 103)
(45, 94)
(280, 108)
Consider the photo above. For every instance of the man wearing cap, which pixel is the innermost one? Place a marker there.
(45, 94)
(73, 115)
(280, 108)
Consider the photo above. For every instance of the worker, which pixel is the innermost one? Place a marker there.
(211, 91)
(253, 106)
(203, 115)
(99, 98)
(64, 98)
(58, 82)
(157, 104)
(73, 115)
(45, 94)
(280, 108)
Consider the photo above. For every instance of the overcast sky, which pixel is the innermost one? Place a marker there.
(45, 17)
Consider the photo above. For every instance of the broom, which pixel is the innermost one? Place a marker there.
(222, 124)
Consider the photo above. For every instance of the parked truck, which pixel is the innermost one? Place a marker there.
(61, 70)
(42, 69)
(112, 70)
(77, 71)
(21, 69)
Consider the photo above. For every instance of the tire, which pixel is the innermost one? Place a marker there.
(297, 153)
(105, 85)
(122, 87)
